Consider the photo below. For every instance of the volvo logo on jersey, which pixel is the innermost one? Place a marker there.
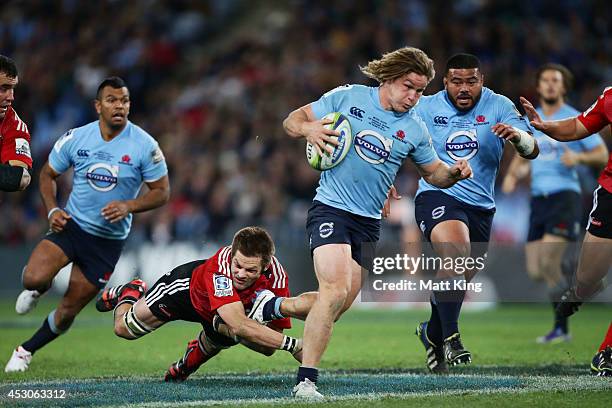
(102, 176)
(462, 144)
(372, 147)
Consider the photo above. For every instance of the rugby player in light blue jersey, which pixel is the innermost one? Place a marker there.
(111, 159)
(466, 121)
(347, 207)
(556, 209)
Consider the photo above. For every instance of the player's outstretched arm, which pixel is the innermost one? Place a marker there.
(158, 195)
(438, 174)
(595, 158)
(303, 123)
(563, 130)
(241, 326)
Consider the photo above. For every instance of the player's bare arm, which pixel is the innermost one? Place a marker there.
(48, 191)
(303, 123)
(563, 130)
(266, 351)
(524, 143)
(158, 195)
(440, 175)
(241, 326)
(596, 158)
(518, 170)
(392, 195)
(14, 176)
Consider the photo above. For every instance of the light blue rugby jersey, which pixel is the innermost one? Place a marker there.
(467, 135)
(382, 140)
(548, 174)
(106, 171)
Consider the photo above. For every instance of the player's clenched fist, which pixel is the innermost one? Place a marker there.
(58, 219)
(461, 170)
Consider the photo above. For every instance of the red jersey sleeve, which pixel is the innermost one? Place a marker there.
(218, 282)
(280, 287)
(598, 115)
(14, 139)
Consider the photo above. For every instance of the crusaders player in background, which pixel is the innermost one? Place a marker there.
(596, 252)
(15, 157)
(214, 292)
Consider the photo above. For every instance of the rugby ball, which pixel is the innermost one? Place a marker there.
(345, 140)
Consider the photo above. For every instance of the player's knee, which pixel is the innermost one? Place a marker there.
(333, 296)
(121, 331)
(130, 327)
(347, 304)
(457, 249)
(33, 281)
(534, 274)
(548, 266)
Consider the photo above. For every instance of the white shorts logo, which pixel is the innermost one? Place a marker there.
(326, 229)
(22, 147)
(422, 226)
(438, 212)
(223, 285)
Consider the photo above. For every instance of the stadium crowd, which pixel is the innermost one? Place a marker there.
(212, 81)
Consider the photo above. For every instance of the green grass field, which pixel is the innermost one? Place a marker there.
(374, 360)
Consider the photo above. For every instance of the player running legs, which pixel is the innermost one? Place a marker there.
(80, 292)
(339, 278)
(593, 265)
(450, 239)
(544, 259)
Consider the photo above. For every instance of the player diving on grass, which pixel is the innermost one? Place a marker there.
(346, 211)
(556, 208)
(596, 252)
(217, 293)
(111, 158)
(467, 121)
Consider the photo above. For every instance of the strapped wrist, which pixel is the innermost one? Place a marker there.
(526, 143)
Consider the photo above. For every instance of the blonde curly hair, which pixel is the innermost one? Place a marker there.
(400, 62)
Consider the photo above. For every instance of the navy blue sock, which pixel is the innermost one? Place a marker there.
(434, 330)
(449, 306)
(560, 321)
(307, 372)
(46, 334)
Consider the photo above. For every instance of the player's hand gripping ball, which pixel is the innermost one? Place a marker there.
(345, 140)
